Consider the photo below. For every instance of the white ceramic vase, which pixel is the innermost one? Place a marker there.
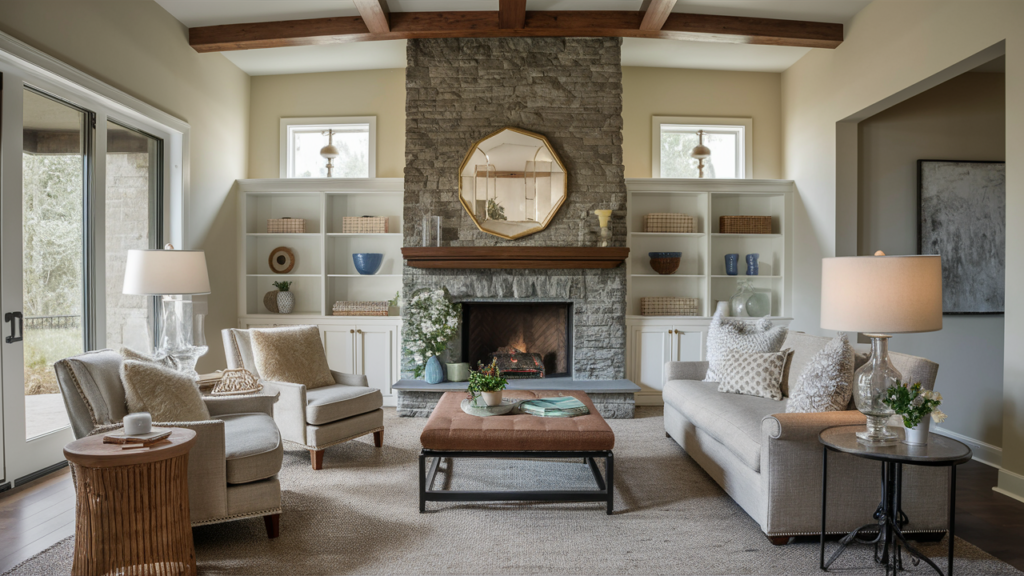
(918, 435)
(492, 398)
(285, 302)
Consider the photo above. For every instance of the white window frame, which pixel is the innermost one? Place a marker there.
(743, 126)
(287, 156)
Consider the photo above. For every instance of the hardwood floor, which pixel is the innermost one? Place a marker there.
(41, 513)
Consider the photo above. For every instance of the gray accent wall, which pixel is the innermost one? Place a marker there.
(567, 89)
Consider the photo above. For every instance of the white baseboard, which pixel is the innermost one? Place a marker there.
(983, 452)
(648, 398)
(1010, 484)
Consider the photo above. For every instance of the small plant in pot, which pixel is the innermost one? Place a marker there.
(487, 381)
(914, 406)
(285, 299)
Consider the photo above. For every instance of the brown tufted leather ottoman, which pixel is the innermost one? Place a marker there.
(451, 433)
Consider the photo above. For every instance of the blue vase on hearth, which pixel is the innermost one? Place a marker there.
(732, 264)
(433, 373)
(752, 264)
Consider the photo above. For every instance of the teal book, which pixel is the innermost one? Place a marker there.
(558, 407)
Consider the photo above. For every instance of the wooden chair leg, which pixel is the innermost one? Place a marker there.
(779, 540)
(273, 524)
(378, 438)
(316, 457)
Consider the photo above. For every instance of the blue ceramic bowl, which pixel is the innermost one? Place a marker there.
(665, 254)
(367, 263)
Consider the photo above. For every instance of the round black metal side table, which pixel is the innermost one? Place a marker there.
(889, 517)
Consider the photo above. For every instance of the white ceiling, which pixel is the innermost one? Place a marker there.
(391, 54)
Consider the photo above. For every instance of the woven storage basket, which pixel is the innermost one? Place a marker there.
(745, 224)
(675, 223)
(368, 308)
(364, 225)
(286, 226)
(668, 306)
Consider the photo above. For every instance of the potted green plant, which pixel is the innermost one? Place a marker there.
(914, 406)
(487, 381)
(285, 299)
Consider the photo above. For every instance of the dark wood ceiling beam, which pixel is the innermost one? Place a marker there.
(511, 14)
(655, 13)
(406, 25)
(375, 14)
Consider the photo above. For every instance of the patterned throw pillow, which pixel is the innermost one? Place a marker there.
(726, 334)
(752, 374)
(291, 354)
(827, 383)
(168, 395)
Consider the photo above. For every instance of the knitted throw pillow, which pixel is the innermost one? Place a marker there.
(827, 383)
(165, 361)
(726, 334)
(291, 354)
(752, 374)
(168, 395)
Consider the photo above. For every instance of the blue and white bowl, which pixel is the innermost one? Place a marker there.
(367, 263)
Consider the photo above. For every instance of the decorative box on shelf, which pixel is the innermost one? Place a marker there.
(368, 308)
(286, 225)
(745, 224)
(668, 306)
(364, 225)
(670, 223)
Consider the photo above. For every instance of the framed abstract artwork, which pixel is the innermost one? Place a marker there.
(962, 217)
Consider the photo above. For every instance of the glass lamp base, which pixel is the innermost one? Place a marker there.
(877, 433)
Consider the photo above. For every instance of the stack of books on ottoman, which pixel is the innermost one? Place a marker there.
(559, 407)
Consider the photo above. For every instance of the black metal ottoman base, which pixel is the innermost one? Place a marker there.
(605, 484)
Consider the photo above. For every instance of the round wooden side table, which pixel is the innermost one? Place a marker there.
(131, 509)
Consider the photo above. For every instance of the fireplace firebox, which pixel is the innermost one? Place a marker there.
(541, 328)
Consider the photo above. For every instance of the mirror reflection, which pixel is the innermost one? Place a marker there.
(512, 183)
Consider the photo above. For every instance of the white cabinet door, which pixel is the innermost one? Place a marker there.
(375, 356)
(687, 345)
(652, 348)
(340, 346)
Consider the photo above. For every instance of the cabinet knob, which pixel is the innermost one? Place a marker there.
(359, 331)
(352, 331)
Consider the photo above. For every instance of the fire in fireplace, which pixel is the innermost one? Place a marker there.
(530, 339)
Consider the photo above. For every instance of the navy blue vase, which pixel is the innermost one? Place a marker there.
(732, 264)
(433, 373)
(752, 264)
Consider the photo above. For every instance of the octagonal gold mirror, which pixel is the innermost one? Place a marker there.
(512, 183)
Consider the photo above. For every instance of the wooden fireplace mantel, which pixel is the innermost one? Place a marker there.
(514, 257)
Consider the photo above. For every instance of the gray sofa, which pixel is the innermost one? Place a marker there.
(233, 466)
(769, 461)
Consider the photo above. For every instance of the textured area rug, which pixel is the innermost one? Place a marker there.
(359, 515)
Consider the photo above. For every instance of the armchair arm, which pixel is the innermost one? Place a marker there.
(350, 379)
(290, 409)
(685, 371)
(241, 404)
(807, 426)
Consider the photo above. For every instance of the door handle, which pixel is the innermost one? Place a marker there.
(10, 317)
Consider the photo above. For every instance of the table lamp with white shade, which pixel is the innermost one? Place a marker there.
(172, 275)
(880, 295)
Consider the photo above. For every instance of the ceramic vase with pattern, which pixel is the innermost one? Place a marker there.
(918, 435)
(432, 373)
(752, 264)
(285, 302)
(732, 264)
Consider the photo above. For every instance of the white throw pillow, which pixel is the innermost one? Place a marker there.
(827, 382)
(752, 373)
(726, 334)
(168, 395)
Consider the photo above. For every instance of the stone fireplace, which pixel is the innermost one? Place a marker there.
(569, 90)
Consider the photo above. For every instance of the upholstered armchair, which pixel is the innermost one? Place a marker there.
(315, 418)
(233, 467)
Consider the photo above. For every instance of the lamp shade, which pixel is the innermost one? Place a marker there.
(882, 294)
(160, 272)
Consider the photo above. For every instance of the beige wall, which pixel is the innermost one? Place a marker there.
(894, 50)
(648, 92)
(961, 119)
(141, 49)
(379, 93)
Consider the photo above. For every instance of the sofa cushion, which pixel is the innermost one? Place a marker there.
(731, 419)
(804, 347)
(752, 374)
(827, 382)
(725, 334)
(252, 447)
(291, 354)
(332, 403)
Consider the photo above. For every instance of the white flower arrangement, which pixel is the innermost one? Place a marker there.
(431, 320)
